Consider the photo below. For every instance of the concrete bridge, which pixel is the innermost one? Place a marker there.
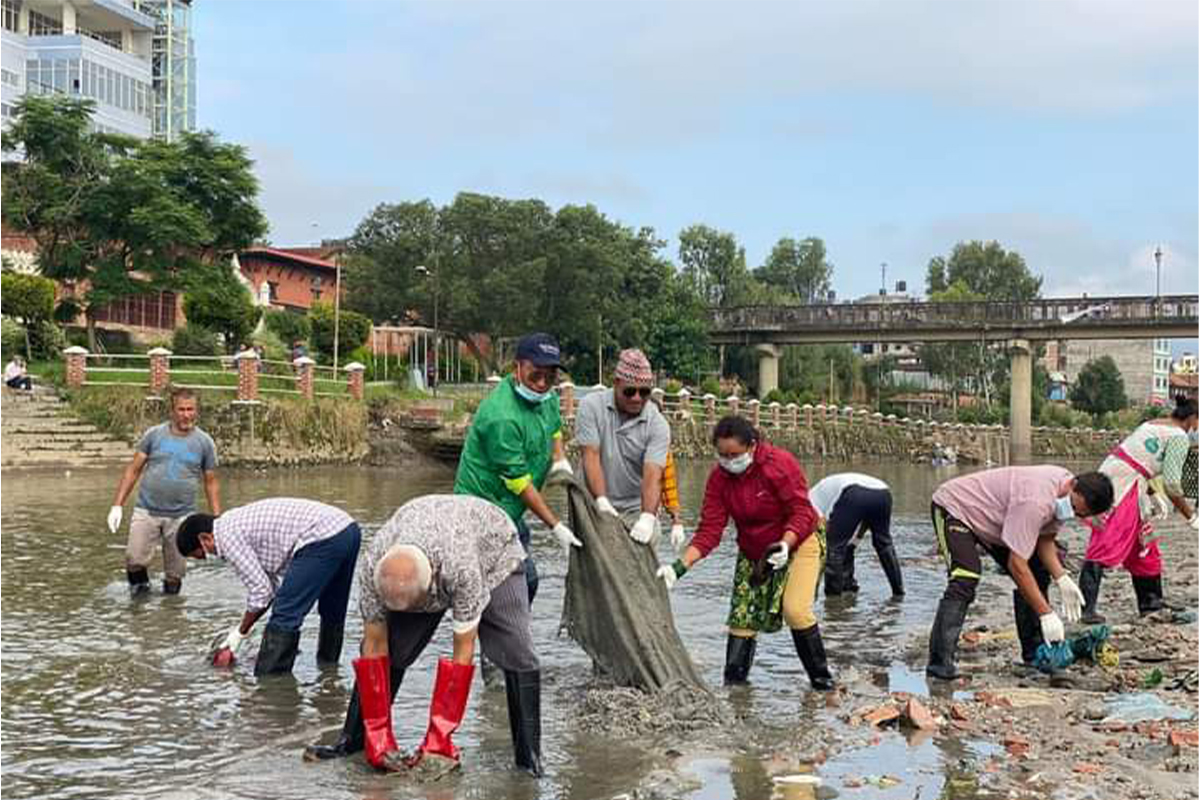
(1018, 324)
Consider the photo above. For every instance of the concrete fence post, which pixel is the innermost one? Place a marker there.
(755, 412)
(566, 399)
(247, 367)
(160, 370)
(710, 408)
(848, 414)
(775, 417)
(807, 411)
(76, 358)
(733, 403)
(305, 374)
(659, 398)
(685, 403)
(356, 379)
(793, 415)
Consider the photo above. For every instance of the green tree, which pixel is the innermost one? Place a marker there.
(714, 264)
(353, 329)
(799, 268)
(986, 269)
(288, 326)
(221, 303)
(116, 216)
(1099, 387)
(29, 298)
(386, 248)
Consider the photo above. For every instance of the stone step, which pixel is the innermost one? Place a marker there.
(37, 425)
(89, 446)
(62, 459)
(35, 438)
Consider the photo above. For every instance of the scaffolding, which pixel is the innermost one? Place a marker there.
(173, 66)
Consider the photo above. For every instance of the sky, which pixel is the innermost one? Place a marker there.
(891, 129)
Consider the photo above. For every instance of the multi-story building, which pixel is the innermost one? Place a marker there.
(1145, 364)
(134, 58)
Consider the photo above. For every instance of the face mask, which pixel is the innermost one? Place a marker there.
(1194, 436)
(1063, 510)
(736, 465)
(529, 394)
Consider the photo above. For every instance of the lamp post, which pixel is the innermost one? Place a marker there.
(422, 270)
(1158, 254)
(337, 309)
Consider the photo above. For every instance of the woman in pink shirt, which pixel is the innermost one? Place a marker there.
(763, 489)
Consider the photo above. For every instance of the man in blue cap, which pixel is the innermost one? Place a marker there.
(515, 442)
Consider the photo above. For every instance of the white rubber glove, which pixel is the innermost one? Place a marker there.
(677, 536)
(668, 576)
(1161, 505)
(562, 465)
(643, 530)
(566, 537)
(1195, 521)
(233, 639)
(606, 507)
(1072, 598)
(114, 518)
(777, 555)
(1052, 628)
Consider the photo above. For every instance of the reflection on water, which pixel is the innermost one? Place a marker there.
(107, 697)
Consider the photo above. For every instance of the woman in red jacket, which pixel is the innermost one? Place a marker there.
(779, 549)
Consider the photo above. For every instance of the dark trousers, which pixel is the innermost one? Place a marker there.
(21, 382)
(859, 507)
(531, 573)
(322, 571)
(960, 548)
(505, 635)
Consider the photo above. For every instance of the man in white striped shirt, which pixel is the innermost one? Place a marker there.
(289, 552)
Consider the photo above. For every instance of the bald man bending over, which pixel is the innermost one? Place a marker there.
(439, 553)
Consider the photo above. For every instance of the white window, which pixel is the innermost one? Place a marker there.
(10, 78)
(12, 15)
(42, 25)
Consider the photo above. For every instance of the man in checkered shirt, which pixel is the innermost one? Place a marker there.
(288, 552)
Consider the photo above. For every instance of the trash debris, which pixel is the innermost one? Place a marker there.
(1152, 679)
(1142, 707)
(798, 780)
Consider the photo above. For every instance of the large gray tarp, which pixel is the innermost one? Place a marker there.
(616, 608)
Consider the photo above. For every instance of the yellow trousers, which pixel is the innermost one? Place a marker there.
(804, 570)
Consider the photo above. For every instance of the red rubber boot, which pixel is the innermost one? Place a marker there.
(447, 709)
(376, 703)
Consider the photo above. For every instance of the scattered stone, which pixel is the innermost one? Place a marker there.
(918, 716)
(1087, 768)
(881, 714)
(958, 711)
(1184, 738)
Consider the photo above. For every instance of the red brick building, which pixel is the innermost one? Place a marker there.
(291, 278)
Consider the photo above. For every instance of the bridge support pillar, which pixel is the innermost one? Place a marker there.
(768, 368)
(1020, 448)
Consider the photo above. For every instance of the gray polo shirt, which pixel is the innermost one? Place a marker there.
(175, 466)
(625, 443)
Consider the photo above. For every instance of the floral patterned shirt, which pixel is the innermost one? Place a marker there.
(471, 545)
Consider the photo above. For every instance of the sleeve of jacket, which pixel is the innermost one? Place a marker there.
(792, 487)
(714, 516)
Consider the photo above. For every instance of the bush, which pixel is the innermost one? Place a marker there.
(363, 356)
(221, 303)
(274, 348)
(673, 386)
(288, 326)
(194, 340)
(353, 329)
(12, 337)
(710, 385)
(47, 340)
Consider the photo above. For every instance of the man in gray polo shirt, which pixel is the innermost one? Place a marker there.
(625, 441)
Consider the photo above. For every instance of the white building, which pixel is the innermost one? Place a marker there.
(133, 57)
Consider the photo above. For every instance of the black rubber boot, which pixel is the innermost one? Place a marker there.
(139, 581)
(1089, 584)
(943, 639)
(172, 585)
(277, 652)
(849, 583)
(835, 576)
(1149, 594)
(524, 691)
(1029, 628)
(329, 643)
(811, 650)
(891, 568)
(739, 656)
(351, 739)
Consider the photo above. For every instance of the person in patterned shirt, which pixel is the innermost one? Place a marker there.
(292, 554)
(441, 553)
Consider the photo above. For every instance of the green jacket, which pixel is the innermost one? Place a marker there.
(508, 447)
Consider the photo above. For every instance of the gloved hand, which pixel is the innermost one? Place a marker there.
(777, 555)
(605, 506)
(672, 573)
(224, 655)
(114, 518)
(1052, 628)
(1195, 521)
(643, 530)
(566, 537)
(1072, 598)
(1161, 505)
(562, 465)
(677, 536)
(234, 638)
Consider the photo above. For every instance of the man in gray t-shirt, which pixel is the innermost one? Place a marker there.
(625, 441)
(172, 459)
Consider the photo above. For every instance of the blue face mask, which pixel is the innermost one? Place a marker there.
(1063, 510)
(529, 394)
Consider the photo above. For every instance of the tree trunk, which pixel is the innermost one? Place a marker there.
(489, 363)
(91, 330)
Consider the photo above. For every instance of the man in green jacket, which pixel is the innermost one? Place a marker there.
(515, 442)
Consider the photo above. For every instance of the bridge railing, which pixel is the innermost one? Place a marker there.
(1050, 312)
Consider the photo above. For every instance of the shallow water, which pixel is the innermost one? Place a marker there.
(104, 696)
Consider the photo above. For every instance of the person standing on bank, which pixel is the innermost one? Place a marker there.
(515, 442)
(436, 554)
(1158, 448)
(763, 489)
(626, 442)
(176, 457)
(850, 502)
(1014, 514)
(292, 554)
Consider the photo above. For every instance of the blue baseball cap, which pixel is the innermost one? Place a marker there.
(540, 349)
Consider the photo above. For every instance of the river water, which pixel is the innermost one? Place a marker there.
(108, 697)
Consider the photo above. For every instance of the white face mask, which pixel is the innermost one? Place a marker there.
(736, 465)
(1063, 510)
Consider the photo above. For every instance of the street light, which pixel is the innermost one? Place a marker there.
(1158, 254)
(424, 271)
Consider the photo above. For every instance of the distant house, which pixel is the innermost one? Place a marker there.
(289, 278)
(1185, 384)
